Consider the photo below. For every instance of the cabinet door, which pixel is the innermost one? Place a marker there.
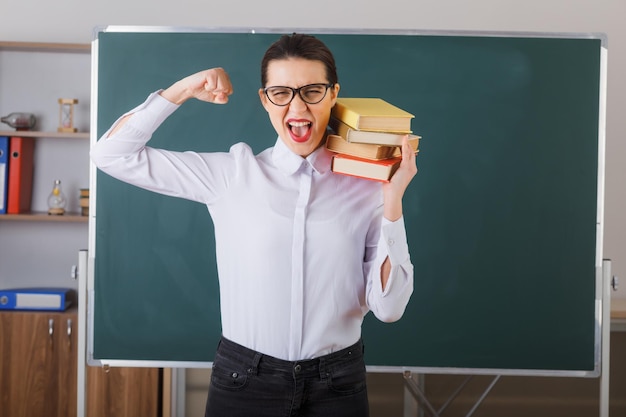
(66, 345)
(37, 364)
(123, 392)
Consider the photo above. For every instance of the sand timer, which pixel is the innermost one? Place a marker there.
(66, 114)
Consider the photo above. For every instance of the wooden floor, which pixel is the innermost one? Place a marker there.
(386, 394)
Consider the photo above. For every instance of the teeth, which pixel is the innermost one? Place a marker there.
(299, 124)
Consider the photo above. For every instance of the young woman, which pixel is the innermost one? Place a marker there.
(321, 249)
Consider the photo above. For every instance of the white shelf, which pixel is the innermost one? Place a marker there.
(36, 134)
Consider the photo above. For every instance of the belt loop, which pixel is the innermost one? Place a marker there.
(323, 369)
(254, 367)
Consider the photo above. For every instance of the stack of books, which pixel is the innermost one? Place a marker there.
(367, 137)
(83, 201)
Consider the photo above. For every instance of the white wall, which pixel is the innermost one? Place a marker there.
(75, 20)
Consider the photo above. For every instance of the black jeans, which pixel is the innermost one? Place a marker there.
(245, 383)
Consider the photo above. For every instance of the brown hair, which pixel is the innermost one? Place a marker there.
(303, 46)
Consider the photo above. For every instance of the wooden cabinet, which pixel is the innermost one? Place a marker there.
(38, 360)
(38, 372)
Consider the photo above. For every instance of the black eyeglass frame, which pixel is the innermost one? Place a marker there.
(295, 91)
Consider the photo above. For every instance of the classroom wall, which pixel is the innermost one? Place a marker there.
(75, 20)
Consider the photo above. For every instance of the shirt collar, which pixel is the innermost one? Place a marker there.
(289, 163)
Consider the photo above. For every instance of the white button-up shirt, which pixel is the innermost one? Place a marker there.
(299, 248)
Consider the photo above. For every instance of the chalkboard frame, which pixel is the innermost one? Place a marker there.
(588, 372)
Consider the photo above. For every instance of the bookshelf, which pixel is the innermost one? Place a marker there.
(67, 72)
(43, 216)
(39, 249)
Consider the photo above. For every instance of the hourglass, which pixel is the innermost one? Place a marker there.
(66, 114)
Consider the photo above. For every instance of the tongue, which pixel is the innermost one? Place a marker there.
(299, 130)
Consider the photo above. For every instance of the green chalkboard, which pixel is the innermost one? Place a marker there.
(502, 218)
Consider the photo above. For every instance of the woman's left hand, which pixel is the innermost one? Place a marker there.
(393, 191)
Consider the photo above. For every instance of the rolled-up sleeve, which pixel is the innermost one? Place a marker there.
(388, 304)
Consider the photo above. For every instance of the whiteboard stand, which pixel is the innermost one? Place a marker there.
(411, 405)
(424, 405)
(81, 381)
(179, 386)
(605, 341)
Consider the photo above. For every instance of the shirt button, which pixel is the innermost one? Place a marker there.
(390, 242)
(297, 368)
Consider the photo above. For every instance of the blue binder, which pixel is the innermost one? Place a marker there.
(56, 299)
(4, 172)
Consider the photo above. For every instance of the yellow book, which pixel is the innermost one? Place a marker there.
(364, 113)
(337, 144)
(368, 136)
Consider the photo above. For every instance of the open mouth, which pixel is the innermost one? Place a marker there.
(300, 131)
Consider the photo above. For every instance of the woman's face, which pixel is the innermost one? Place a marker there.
(301, 126)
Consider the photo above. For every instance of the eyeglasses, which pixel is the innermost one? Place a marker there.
(310, 93)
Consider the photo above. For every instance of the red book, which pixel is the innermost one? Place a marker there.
(379, 170)
(20, 187)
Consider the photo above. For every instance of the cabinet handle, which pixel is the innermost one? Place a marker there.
(51, 329)
(69, 333)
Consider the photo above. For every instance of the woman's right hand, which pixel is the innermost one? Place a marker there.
(212, 85)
